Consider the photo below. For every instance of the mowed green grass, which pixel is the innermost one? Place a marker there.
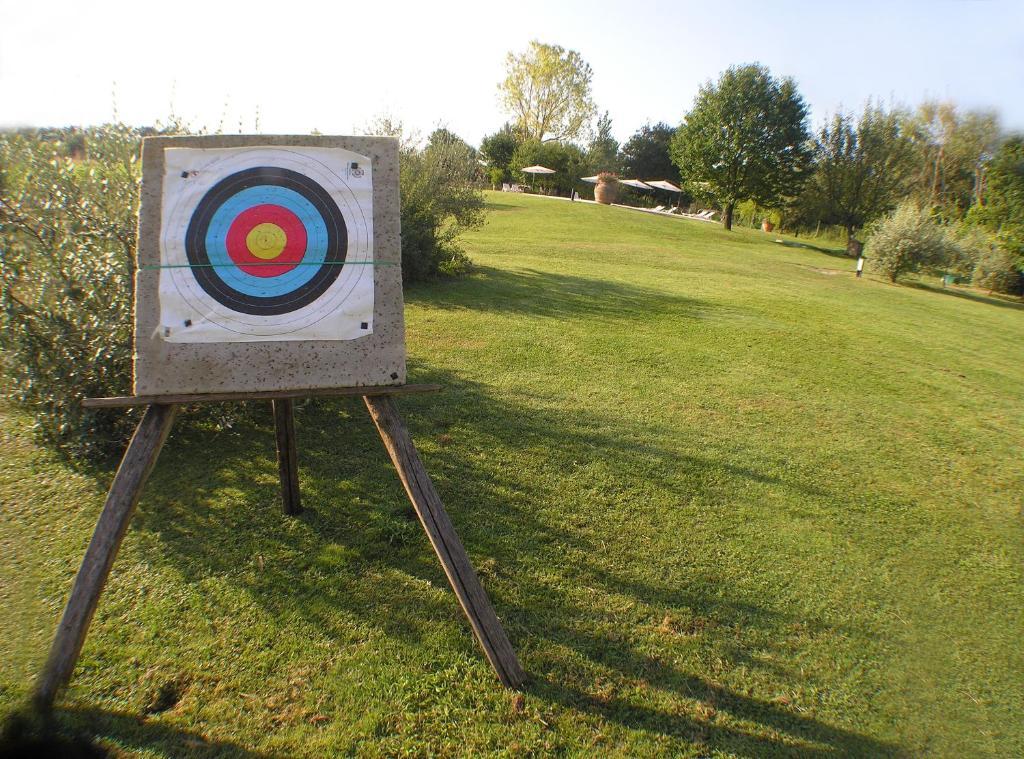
(727, 499)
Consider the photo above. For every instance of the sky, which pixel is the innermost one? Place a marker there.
(292, 67)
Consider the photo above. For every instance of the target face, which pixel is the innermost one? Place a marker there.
(266, 244)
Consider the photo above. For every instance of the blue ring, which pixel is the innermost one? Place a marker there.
(264, 287)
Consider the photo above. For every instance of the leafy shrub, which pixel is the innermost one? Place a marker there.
(996, 271)
(67, 228)
(439, 200)
(967, 245)
(907, 241)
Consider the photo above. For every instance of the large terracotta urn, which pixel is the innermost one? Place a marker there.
(606, 191)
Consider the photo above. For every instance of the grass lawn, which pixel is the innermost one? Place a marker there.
(728, 500)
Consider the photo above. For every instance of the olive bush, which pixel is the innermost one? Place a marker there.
(440, 199)
(907, 241)
(67, 228)
(996, 271)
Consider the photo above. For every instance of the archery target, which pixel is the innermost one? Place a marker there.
(269, 243)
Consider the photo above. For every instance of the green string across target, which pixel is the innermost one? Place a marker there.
(272, 263)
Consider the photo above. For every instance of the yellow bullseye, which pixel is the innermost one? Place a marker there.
(266, 241)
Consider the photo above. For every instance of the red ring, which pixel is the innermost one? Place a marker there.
(266, 213)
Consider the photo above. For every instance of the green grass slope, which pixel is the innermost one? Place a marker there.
(728, 500)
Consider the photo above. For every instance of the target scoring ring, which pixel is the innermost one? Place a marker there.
(266, 240)
(293, 259)
(266, 234)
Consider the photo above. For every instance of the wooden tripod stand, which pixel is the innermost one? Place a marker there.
(141, 456)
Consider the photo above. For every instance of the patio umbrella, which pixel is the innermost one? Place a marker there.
(662, 184)
(536, 170)
(636, 183)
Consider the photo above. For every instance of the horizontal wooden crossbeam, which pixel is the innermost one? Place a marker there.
(269, 395)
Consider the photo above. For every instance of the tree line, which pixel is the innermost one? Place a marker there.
(747, 139)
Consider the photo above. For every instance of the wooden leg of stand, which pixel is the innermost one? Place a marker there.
(124, 494)
(287, 455)
(477, 607)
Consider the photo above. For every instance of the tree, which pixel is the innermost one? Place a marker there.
(860, 169)
(547, 90)
(953, 149)
(744, 139)
(603, 151)
(647, 154)
(498, 148)
(1003, 209)
(804, 211)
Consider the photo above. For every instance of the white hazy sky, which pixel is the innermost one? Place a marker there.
(333, 66)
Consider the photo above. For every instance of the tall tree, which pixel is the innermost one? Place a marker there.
(547, 90)
(744, 139)
(861, 168)
(647, 154)
(1003, 209)
(953, 148)
(603, 151)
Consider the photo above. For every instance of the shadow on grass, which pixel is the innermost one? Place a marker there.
(213, 503)
(834, 252)
(355, 509)
(74, 733)
(493, 205)
(992, 300)
(789, 733)
(539, 293)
